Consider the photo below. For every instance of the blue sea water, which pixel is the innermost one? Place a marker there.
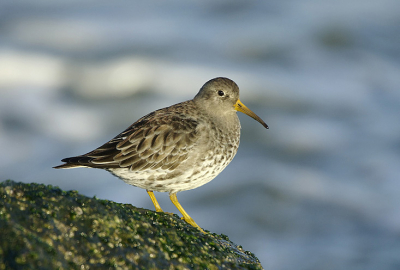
(318, 190)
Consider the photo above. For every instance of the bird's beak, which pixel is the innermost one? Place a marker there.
(240, 107)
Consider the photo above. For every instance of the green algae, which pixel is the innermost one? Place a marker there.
(44, 227)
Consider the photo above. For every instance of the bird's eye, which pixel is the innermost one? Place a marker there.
(221, 93)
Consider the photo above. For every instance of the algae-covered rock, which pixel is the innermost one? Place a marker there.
(44, 227)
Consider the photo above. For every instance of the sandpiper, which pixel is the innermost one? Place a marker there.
(177, 148)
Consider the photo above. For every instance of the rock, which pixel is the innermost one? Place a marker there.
(44, 227)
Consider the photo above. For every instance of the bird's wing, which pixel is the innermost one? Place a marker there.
(161, 139)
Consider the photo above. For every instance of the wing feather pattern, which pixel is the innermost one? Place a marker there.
(160, 140)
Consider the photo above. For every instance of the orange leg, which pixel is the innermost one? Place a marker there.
(154, 200)
(185, 217)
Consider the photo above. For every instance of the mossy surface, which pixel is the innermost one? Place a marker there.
(44, 227)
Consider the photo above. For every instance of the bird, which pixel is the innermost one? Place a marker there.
(176, 148)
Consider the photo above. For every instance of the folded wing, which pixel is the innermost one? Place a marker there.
(161, 142)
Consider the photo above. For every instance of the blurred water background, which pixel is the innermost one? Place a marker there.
(318, 190)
